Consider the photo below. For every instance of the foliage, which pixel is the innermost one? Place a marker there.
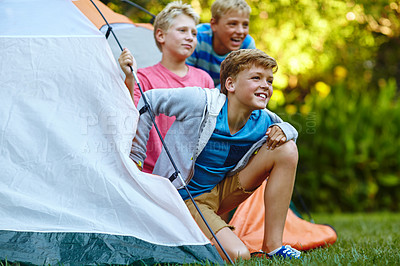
(349, 150)
(338, 83)
(310, 38)
(134, 13)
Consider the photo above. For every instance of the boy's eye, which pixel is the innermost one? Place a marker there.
(194, 33)
(256, 77)
(183, 29)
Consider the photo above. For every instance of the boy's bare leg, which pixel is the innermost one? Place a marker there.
(232, 245)
(277, 196)
(280, 165)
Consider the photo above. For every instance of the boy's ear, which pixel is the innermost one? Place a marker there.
(160, 36)
(213, 24)
(230, 84)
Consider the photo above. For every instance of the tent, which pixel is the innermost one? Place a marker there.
(249, 216)
(69, 193)
(137, 37)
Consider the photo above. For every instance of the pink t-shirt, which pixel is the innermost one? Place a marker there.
(159, 77)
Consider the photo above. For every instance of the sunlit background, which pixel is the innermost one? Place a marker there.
(338, 84)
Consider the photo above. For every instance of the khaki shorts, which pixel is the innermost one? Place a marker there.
(226, 196)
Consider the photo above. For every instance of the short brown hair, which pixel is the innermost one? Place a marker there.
(221, 7)
(164, 19)
(243, 59)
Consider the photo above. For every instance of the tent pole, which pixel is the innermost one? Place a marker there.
(177, 172)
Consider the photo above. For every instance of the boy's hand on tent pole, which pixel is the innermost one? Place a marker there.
(276, 137)
(128, 64)
(126, 61)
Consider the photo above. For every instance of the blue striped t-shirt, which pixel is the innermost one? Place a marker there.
(204, 56)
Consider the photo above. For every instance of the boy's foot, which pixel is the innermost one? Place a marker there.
(285, 252)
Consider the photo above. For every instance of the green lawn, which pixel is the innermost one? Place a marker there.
(363, 239)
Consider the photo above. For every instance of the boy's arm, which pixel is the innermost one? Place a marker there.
(183, 103)
(179, 102)
(126, 61)
(285, 128)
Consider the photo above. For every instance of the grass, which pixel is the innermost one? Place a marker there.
(363, 239)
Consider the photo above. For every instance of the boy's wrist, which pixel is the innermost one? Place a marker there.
(129, 76)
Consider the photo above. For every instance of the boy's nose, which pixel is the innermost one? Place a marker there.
(240, 29)
(190, 36)
(266, 85)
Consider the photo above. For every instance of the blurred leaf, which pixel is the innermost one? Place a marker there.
(389, 180)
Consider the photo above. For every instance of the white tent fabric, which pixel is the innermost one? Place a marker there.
(138, 40)
(67, 122)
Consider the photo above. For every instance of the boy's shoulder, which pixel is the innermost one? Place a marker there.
(150, 69)
(248, 43)
(197, 71)
(204, 27)
(157, 71)
(261, 119)
(197, 75)
(204, 33)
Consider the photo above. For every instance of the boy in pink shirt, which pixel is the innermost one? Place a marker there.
(175, 35)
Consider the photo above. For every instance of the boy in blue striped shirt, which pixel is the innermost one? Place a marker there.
(227, 31)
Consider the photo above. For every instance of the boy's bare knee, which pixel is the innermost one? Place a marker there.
(288, 152)
(290, 146)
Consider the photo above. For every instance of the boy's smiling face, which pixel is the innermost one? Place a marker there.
(180, 38)
(229, 31)
(252, 88)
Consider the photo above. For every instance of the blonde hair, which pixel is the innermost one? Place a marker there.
(221, 7)
(244, 59)
(164, 19)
